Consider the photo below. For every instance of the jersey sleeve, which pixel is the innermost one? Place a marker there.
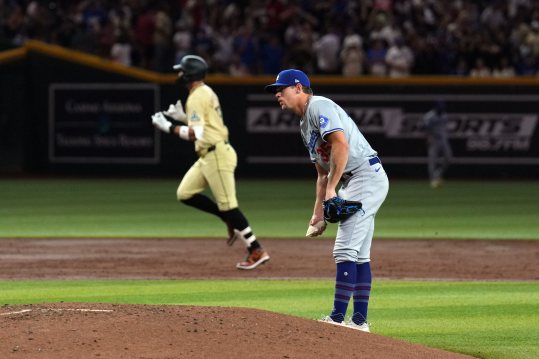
(328, 121)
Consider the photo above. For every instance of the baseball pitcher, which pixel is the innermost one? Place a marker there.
(343, 158)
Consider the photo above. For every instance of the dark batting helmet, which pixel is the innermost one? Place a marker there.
(193, 67)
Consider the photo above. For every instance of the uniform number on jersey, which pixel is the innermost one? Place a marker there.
(324, 151)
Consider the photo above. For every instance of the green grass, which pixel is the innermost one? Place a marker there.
(276, 208)
(492, 320)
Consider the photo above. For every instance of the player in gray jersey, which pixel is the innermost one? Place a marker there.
(439, 150)
(342, 157)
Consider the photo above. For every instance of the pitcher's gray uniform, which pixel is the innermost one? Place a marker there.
(347, 167)
(364, 179)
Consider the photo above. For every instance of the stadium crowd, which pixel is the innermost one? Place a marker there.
(349, 37)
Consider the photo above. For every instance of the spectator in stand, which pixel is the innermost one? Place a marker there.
(224, 49)
(503, 69)
(182, 40)
(237, 68)
(376, 57)
(203, 42)
(121, 50)
(454, 29)
(298, 41)
(461, 69)
(352, 56)
(245, 47)
(272, 55)
(532, 39)
(384, 28)
(399, 59)
(14, 27)
(143, 34)
(162, 49)
(326, 51)
(480, 69)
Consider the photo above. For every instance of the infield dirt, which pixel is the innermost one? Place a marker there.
(81, 330)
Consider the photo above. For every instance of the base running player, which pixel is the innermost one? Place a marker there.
(342, 156)
(203, 124)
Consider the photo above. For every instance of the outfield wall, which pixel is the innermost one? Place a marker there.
(69, 113)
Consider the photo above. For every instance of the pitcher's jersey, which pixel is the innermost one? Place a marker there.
(203, 109)
(323, 117)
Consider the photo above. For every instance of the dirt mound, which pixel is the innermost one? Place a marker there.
(146, 331)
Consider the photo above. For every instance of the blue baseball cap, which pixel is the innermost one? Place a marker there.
(289, 77)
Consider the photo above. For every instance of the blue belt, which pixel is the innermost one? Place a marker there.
(374, 160)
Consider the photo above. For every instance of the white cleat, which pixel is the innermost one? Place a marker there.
(363, 327)
(327, 319)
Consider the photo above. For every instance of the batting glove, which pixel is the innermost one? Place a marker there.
(176, 112)
(159, 121)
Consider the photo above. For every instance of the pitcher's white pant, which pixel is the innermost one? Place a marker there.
(369, 185)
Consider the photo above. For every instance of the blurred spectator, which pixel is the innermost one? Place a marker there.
(480, 69)
(462, 68)
(399, 59)
(272, 54)
(237, 68)
(182, 40)
(532, 39)
(105, 38)
(427, 59)
(84, 38)
(503, 69)
(224, 49)
(14, 27)
(143, 33)
(326, 50)
(203, 43)
(121, 50)
(352, 56)
(245, 46)
(444, 37)
(376, 57)
(383, 28)
(161, 40)
(298, 41)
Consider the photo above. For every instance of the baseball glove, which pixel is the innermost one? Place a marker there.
(337, 209)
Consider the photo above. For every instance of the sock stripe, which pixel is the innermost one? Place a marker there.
(344, 287)
(362, 292)
(361, 299)
(341, 298)
(343, 292)
(362, 287)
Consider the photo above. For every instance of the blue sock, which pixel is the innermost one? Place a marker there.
(344, 288)
(362, 292)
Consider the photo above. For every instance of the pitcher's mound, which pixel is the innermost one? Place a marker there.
(82, 330)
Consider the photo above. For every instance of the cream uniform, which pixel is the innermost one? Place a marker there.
(217, 158)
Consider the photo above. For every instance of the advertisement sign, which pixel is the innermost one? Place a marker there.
(482, 129)
(103, 123)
